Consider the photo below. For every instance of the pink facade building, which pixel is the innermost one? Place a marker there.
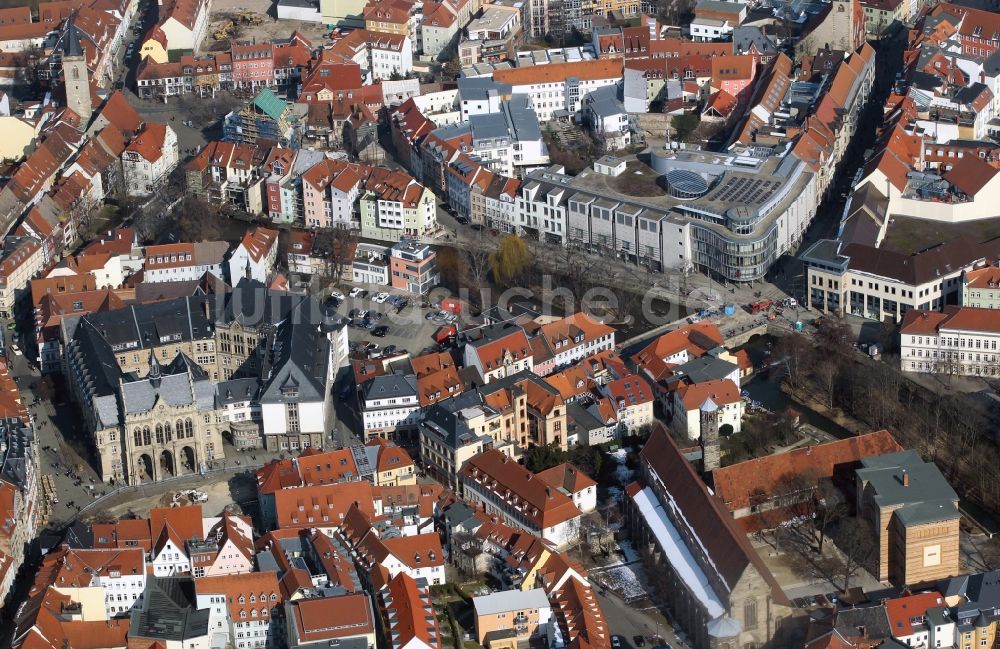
(253, 65)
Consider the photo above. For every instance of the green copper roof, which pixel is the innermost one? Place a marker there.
(269, 103)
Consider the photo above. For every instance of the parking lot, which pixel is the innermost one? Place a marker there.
(386, 323)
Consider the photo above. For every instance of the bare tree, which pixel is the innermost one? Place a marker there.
(477, 260)
(858, 544)
(795, 353)
(827, 374)
(830, 507)
(337, 247)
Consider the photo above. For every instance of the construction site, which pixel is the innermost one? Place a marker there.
(252, 20)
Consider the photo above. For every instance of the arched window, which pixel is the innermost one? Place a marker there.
(159, 434)
(146, 439)
(138, 437)
(166, 431)
(188, 428)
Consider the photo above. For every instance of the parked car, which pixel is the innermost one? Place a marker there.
(380, 298)
(616, 641)
(337, 294)
(380, 331)
(639, 641)
(355, 292)
(389, 349)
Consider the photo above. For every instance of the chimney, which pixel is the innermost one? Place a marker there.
(906, 478)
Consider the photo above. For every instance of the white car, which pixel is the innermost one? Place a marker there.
(355, 292)
(337, 294)
(15, 349)
(380, 298)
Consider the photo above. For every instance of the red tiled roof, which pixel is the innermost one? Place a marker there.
(987, 277)
(321, 619)
(322, 505)
(567, 476)
(559, 72)
(697, 339)
(150, 142)
(970, 174)
(542, 505)
(740, 483)
(408, 613)
(902, 610)
(720, 391)
(259, 592)
(724, 543)
(918, 322)
(121, 114)
(258, 241)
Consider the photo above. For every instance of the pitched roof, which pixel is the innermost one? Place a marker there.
(580, 616)
(541, 504)
(408, 613)
(249, 595)
(970, 174)
(740, 483)
(567, 477)
(150, 142)
(720, 391)
(321, 619)
(726, 547)
(986, 277)
(903, 610)
(559, 72)
(697, 339)
(416, 551)
(321, 505)
(258, 241)
(121, 114)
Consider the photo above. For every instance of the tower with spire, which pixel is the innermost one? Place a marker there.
(76, 74)
(709, 439)
(155, 371)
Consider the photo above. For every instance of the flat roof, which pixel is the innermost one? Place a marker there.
(510, 600)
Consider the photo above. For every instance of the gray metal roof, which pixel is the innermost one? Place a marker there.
(604, 101)
(926, 485)
(521, 118)
(168, 611)
(237, 390)
(389, 386)
(510, 600)
(18, 454)
(704, 368)
(491, 126)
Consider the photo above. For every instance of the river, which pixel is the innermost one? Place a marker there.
(765, 389)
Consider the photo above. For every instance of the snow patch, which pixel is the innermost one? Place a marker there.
(626, 581)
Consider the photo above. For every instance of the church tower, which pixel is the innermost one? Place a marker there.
(709, 439)
(76, 75)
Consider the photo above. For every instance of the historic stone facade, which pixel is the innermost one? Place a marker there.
(719, 591)
(159, 384)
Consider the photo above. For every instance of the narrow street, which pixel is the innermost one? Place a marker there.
(626, 620)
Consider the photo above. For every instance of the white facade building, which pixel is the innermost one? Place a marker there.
(149, 159)
(389, 403)
(960, 340)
